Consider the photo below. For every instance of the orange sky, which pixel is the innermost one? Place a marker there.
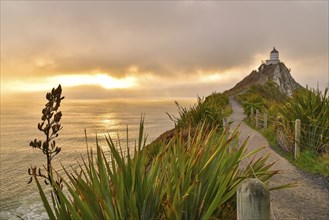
(163, 49)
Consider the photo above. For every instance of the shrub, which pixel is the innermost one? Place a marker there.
(254, 101)
(211, 111)
(312, 108)
(193, 179)
(262, 98)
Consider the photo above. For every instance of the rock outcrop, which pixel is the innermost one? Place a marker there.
(277, 73)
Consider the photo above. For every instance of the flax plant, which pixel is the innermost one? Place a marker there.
(187, 179)
(211, 110)
(50, 127)
(312, 108)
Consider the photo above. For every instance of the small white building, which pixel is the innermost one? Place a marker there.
(274, 57)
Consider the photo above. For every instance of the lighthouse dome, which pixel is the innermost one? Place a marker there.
(274, 50)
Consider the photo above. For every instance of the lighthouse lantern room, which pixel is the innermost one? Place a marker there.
(274, 57)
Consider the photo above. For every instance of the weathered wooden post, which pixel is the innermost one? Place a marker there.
(265, 120)
(253, 200)
(257, 118)
(224, 119)
(297, 138)
(251, 112)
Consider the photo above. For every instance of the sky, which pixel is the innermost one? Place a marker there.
(112, 49)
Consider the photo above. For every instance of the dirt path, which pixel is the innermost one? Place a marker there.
(309, 200)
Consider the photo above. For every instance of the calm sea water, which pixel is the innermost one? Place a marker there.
(19, 126)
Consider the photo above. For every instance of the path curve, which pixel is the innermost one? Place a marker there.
(309, 200)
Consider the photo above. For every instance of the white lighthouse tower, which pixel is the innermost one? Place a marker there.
(274, 57)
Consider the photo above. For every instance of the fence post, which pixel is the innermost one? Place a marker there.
(265, 120)
(253, 200)
(223, 119)
(251, 112)
(257, 117)
(297, 138)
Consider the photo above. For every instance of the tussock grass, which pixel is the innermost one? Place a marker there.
(308, 160)
(312, 108)
(262, 97)
(211, 110)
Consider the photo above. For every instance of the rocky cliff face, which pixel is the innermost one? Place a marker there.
(277, 73)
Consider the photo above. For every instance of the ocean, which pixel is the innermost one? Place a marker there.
(19, 126)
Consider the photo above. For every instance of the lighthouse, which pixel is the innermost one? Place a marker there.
(274, 57)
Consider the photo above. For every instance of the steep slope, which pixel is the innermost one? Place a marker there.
(277, 73)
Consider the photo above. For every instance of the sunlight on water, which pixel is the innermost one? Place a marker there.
(19, 126)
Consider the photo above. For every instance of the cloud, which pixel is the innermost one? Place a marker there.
(171, 40)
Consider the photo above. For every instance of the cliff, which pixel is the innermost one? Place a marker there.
(277, 73)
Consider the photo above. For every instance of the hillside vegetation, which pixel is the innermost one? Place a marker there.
(265, 98)
(310, 106)
(194, 179)
(191, 174)
(211, 110)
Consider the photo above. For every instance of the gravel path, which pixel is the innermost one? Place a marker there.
(308, 200)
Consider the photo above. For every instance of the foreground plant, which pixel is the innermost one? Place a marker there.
(191, 179)
(50, 126)
(312, 108)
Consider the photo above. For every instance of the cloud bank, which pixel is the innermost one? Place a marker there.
(165, 41)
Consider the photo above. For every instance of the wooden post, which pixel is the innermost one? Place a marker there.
(224, 119)
(251, 115)
(297, 138)
(257, 118)
(251, 112)
(265, 120)
(253, 200)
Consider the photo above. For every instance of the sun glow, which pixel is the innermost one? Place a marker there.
(103, 80)
(227, 75)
